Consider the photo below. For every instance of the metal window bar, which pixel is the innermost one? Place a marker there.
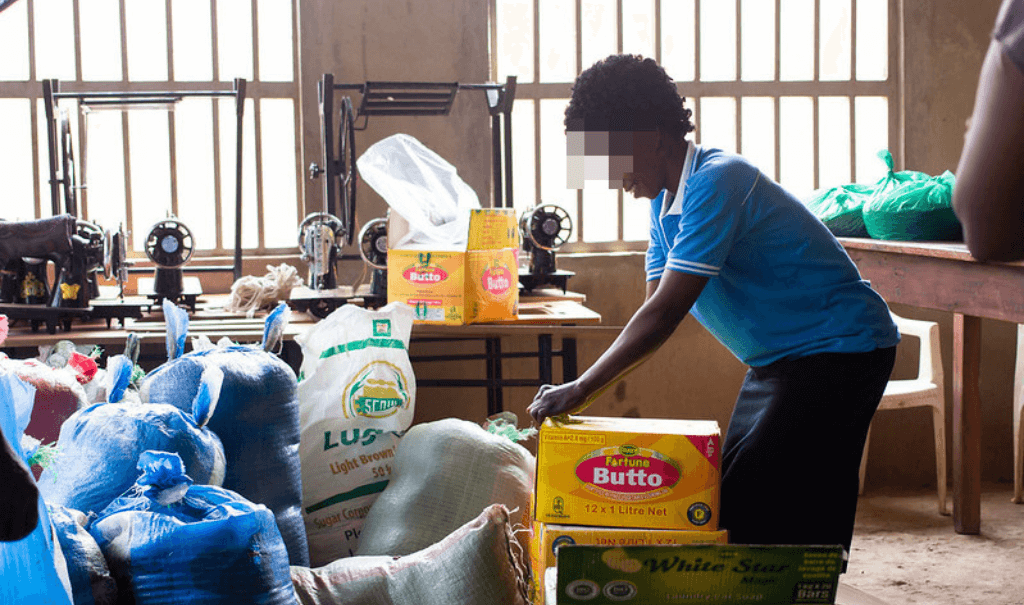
(381, 98)
(52, 94)
(30, 90)
(891, 88)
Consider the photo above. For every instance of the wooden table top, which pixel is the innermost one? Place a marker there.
(546, 313)
(947, 250)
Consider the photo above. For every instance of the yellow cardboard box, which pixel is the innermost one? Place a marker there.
(629, 472)
(548, 537)
(453, 287)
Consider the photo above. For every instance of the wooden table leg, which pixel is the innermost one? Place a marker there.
(966, 424)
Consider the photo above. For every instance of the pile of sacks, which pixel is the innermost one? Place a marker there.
(185, 485)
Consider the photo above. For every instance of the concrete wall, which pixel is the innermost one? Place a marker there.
(693, 376)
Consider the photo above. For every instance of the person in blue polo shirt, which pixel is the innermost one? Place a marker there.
(769, 281)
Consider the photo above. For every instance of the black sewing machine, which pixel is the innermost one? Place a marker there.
(73, 253)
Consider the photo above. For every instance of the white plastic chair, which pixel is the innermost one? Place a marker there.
(1018, 420)
(927, 390)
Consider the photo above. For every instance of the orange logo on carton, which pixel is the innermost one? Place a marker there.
(496, 280)
(627, 473)
(424, 275)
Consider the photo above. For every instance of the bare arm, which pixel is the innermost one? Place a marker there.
(989, 194)
(668, 302)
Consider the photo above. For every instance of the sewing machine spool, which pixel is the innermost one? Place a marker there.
(544, 229)
(373, 247)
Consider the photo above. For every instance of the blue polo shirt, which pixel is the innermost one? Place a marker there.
(780, 285)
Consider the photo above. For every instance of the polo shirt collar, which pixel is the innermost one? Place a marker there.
(675, 205)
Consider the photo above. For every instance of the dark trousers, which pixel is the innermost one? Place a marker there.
(792, 451)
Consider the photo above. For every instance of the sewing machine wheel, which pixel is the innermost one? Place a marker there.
(333, 222)
(322, 307)
(115, 257)
(347, 169)
(169, 243)
(68, 166)
(373, 243)
(547, 227)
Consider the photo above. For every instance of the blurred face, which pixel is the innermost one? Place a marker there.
(615, 159)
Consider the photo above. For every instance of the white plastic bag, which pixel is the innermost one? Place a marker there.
(356, 399)
(422, 187)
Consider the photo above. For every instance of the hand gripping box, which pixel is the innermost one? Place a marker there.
(629, 472)
(453, 287)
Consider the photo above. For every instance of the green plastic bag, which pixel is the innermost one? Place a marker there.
(841, 208)
(912, 206)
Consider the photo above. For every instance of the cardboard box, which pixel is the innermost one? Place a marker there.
(711, 574)
(629, 472)
(453, 287)
(548, 538)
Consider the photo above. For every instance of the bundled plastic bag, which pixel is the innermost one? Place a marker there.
(445, 474)
(91, 582)
(170, 542)
(257, 420)
(841, 208)
(912, 206)
(423, 188)
(99, 446)
(478, 563)
(356, 397)
(33, 568)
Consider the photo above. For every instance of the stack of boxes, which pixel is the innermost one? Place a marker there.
(478, 282)
(623, 482)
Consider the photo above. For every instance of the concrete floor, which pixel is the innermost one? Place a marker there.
(904, 552)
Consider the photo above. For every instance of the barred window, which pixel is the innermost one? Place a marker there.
(808, 90)
(136, 166)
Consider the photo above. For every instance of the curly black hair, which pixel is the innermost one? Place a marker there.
(627, 93)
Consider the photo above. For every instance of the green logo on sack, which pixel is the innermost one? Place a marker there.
(382, 327)
(377, 391)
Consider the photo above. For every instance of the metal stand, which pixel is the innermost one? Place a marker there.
(52, 94)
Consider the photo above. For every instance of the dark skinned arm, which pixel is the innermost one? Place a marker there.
(18, 498)
(668, 302)
(988, 197)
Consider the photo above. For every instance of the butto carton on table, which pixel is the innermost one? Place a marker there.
(629, 472)
(452, 287)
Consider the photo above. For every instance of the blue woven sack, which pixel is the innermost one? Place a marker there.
(31, 568)
(257, 420)
(99, 446)
(170, 542)
(91, 582)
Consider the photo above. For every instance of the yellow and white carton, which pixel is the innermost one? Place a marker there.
(453, 287)
(629, 472)
(549, 537)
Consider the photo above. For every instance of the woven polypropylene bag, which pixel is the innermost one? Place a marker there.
(257, 420)
(477, 564)
(32, 569)
(169, 542)
(99, 447)
(91, 582)
(446, 472)
(357, 397)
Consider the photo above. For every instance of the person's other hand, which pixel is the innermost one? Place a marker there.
(19, 511)
(555, 400)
